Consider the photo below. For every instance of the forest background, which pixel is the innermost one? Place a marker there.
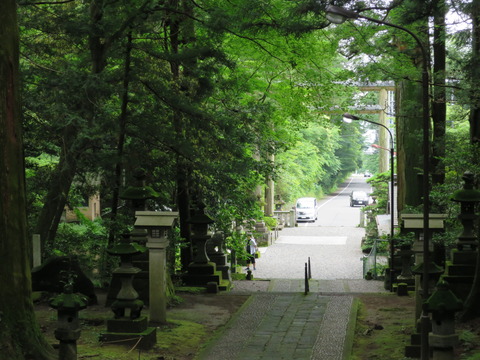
(214, 99)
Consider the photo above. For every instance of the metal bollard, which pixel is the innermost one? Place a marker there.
(307, 287)
(309, 269)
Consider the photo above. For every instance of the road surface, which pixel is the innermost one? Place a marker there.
(332, 242)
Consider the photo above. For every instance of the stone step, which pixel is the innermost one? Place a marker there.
(459, 269)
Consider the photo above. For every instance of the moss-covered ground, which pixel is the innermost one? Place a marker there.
(383, 327)
(385, 323)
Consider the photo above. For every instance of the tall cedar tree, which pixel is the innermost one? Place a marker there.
(471, 308)
(439, 105)
(408, 99)
(20, 337)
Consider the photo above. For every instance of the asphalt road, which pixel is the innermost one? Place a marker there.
(332, 242)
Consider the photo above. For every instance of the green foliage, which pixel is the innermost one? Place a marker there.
(270, 222)
(380, 183)
(87, 240)
(174, 249)
(38, 171)
(316, 163)
(469, 340)
(237, 242)
(461, 156)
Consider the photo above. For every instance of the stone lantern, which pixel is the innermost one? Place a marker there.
(202, 271)
(157, 224)
(460, 271)
(200, 235)
(405, 254)
(413, 350)
(468, 197)
(139, 193)
(414, 223)
(68, 305)
(217, 253)
(136, 195)
(127, 297)
(443, 304)
(128, 325)
(434, 272)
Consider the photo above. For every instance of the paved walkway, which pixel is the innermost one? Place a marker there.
(280, 322)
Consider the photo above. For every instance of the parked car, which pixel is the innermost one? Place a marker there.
(367, 174)
(358, 198)
(306, 209)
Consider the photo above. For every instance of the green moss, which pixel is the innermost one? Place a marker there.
(181, 337)
(238, 276)
(190, 289)
(387, 342)
(175, 339)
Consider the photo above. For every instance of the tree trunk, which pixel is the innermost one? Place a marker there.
(57, 196)
(439, 106)
(471, 308)
(20, 337)
(178, 30)
(56, 199)
(121, 140)
(409, 143)
(409, 122)
(475, 74)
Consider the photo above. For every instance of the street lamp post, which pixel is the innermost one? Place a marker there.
(348, 119)
(339, 15)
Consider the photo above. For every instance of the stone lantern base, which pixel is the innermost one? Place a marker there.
(202, 274)
(130, 332)
(460, 271)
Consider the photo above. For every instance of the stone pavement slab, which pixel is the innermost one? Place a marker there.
(280, 322)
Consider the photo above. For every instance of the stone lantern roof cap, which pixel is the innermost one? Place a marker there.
(432, 268)
(200, 217)
(443, 300)
(468, 193)
(151, 219)
(69, 300)
(127, 249)
(139, 193)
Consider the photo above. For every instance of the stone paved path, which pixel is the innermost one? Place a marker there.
(280, 322)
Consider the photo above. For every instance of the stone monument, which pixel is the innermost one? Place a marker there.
(128, 327)
(157, 224)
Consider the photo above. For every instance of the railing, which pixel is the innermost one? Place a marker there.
(372, 260)
(285, 218)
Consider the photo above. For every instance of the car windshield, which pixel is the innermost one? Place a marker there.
(304, 204)
(359, 195)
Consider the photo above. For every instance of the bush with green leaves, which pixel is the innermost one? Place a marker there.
(87, 240)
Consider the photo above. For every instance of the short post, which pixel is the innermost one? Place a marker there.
(309, 269)
(37, 250)
(307, 288)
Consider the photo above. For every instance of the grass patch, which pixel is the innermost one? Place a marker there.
(383, 328)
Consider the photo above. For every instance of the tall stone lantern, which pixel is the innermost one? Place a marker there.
(201, 271)
(139, 193)
(443, 304)
(468, 197)
(129, 326)
(460, 271)
(157, 224)
(68, 305)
